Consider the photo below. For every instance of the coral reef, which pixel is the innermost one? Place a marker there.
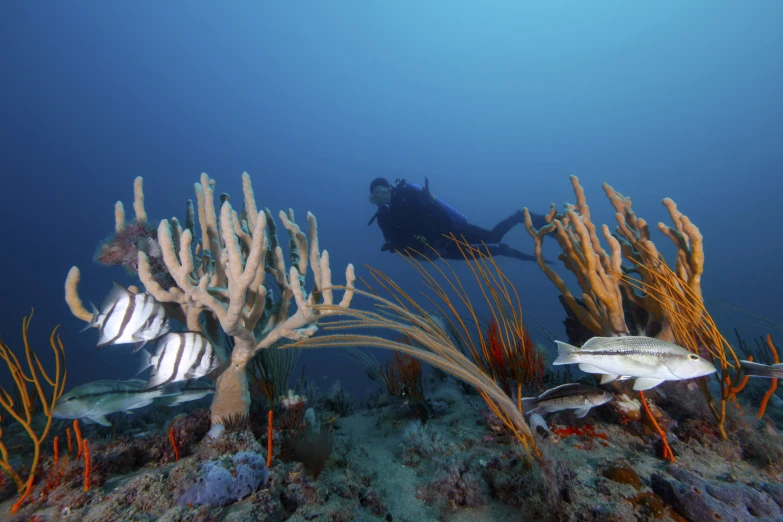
(225, 287)
(698, 499)
(219, 483)
(453, 488)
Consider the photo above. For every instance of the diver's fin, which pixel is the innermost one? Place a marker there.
(566, 354)
(100, 419)
(645, 383)
(581, 412)
(94, 321)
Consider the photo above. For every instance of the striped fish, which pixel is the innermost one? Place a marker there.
(126, 317)
(180, 357)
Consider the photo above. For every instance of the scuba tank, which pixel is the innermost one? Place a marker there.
(455, 215)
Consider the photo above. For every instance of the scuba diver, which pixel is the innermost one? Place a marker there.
(410, 217)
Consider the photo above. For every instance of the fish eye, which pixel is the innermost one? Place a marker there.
(693, 357)
(69, 399)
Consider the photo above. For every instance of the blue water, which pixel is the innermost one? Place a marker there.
(496, 102)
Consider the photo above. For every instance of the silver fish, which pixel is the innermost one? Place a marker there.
(126, 317)
(649, 360)
(189, 391)
(774, 371)
(180, 357)
(573, 396)
(94, 400)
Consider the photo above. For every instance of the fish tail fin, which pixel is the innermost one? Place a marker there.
(94, 321)
(145, 361)
(529, 404)
(566, 354)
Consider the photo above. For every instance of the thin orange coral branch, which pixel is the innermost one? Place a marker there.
(269, 439)
(173, 439)
(774, 385)
(78, 432)
(23, 412)
(668, 454)
(87, 465)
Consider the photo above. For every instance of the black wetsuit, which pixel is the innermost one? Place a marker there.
(414, 219)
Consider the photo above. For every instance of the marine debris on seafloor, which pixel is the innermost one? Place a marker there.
(482, 448)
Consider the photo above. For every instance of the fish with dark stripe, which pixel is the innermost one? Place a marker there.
(92, 401)
(752, 369)
(180, 356)
(650, 361)
(572, 396)
(126, 317)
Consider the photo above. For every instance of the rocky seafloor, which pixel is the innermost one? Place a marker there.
(379, 461)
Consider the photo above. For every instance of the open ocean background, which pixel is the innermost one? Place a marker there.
(496, 102)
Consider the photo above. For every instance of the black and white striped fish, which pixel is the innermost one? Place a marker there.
(126, 317)
(180, 357)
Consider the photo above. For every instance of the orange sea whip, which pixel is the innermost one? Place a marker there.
(174, 443)
(86, 466)
(56, 443)
(269, 441)
(78, 433)
(774, 385)
(668, 454)
(70, 444)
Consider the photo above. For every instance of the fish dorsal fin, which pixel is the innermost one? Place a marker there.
(117, 293)
(559, 391)
(591, 341)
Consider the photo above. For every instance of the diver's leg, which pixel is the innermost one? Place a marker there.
(476, 235)
(502, 228)
(538, 220)
(502, 249)
(518, 217)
